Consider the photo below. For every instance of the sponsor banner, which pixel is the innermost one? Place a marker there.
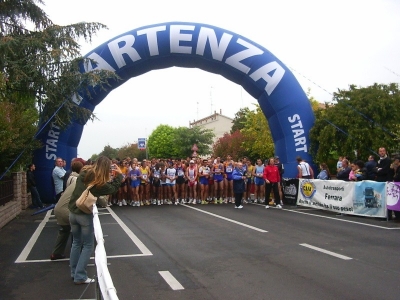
(369, 198)
(290, 190)
(332, 195)
(393, 195)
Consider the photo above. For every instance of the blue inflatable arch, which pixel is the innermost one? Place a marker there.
(193, 45)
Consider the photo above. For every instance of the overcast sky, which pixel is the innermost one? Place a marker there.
(328, 45)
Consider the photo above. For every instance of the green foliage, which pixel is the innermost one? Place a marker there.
(131, 150)
(230, 144)
(362, 120)
(161, 142)
(258, 140)
(166, 141)
(186, 137)
(40, 63)
(240, 119)
(17, 127)
(109, 152)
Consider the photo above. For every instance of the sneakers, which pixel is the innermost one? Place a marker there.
(267, 206)
(87, 281)
(120, 204)
(124, 202)
(158, 202)
(279, 206)
(239, 207)
(56, 256)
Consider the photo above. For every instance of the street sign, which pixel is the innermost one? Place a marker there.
(141, 143)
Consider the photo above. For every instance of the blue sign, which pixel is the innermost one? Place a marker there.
(191, 45)
(141, 143)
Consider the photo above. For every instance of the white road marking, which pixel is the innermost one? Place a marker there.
(131, 235)
(326, 252)
(341, 220)
(226, 219)
(28, 248)
(22, 258)
(67, 259)
(171, 280)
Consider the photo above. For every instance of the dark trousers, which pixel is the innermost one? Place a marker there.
(62, 239)
(274, 187)
(36, 202)
(238, 199)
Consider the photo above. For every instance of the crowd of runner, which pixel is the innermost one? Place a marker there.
(187, 181)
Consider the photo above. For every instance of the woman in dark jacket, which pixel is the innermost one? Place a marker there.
(97, 175)
(239, 177)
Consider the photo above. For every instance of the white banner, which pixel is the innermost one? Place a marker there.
(332, 195)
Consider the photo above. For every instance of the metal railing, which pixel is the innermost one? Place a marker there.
(6, 190)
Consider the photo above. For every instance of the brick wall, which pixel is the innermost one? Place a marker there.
(22, 200)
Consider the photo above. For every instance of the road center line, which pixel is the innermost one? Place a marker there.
(326, 252)
(226, 219)
(171, 280)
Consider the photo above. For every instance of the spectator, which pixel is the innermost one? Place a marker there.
(324, 173)
(239, 186)
(304, 169)
(370, 167)
(358, 171)
(58, 176)
(383, 166)
(344, 172)
(394, 172)
(61, 212)
(339, 164)
(82, 229)
(31, 182)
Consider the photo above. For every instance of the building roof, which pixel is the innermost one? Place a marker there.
(207, 119)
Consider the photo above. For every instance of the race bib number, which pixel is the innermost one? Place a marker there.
(180, 173)
(144, 176)
(217, 170)
(157, 175)
(229, 169)
(259, 174)
(133, 177)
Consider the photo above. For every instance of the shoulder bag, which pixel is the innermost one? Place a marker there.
(86, 201)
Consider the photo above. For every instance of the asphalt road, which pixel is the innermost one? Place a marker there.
(213, 252)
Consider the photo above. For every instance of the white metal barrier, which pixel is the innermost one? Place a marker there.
(104, 279)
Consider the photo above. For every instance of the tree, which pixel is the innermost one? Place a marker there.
(258, 141)
(161, 142)
(230, 144)
(186, 137)
(362, 120)
(40, 64)
(132, 151)
(109, 152)
(240, 119)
